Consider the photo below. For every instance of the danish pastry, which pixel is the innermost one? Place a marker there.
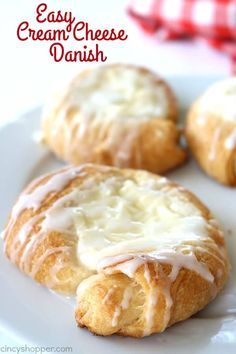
(142, 252)
(118, 115)
(211, 131)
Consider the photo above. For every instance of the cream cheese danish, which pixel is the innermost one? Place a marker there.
(211, 131)
(118, 115)
(140, 252)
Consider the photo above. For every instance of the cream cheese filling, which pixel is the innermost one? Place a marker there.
(112, 217)
(119, 216)
(118, 92)
(220, 100)
(118, 224)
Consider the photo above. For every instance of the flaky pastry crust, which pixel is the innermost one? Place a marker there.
(132, 294)
(212, 141)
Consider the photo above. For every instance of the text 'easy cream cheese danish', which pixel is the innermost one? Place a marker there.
(141, 252)
(211, 131)
(118, 115)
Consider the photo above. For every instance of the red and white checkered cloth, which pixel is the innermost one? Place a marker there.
(213, 20)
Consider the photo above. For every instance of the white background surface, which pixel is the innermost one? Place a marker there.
(28, 73)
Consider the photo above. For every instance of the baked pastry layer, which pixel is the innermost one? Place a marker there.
(118, 115)
(211, 131)
(141, 252)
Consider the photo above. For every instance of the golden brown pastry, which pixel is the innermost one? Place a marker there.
(211, 131)
(118, 115)
(142, 252)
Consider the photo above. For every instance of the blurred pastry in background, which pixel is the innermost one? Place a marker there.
(119, 115)
(211, 131)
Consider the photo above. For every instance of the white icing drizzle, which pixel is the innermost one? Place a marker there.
(24, 231)
(47, 253)
(169, 303)
(116, 315)
(177, 260)
(125, 217)
(217, 256)
(57, 217)
(108, 295)
(181, 260)
(55, 269)
(147, 274)
(123, 305)
(34, 199)
(126, 297)
(52, 220)
(230, 142)
(128, 268)
(121, 225)
(213, 148)
(150, 309)
(122, 152)
(114, 99)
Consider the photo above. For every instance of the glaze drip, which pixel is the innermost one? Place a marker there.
(119, 225)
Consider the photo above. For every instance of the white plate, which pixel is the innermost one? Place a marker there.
(34, 315)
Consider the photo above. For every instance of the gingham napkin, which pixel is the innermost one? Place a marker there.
(212, 20)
